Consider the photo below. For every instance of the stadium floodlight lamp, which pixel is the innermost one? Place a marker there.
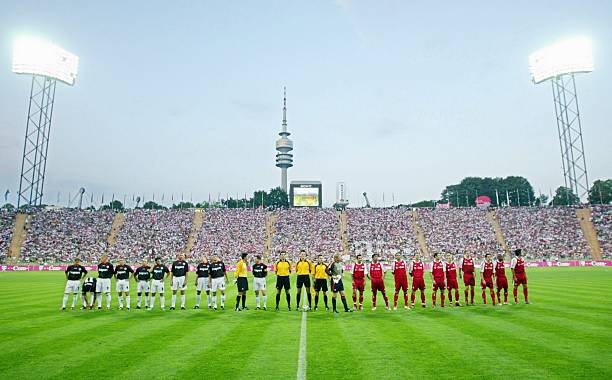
(574, 55)
(38, 57)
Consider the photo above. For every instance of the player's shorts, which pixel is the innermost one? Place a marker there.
(486, 283)
(452, 283)
(103, 285)
(202, 284)
(359, 284)
(438, 284)
(242, 283)
(122, 286)
(378, 284)
(501, 282)
(282, 282)
(259, 284)
(521, 279)
(178, 283)
(157, 286)
(401, 284)
(217, 284)
(337, 286)
(88, 288)
(143, 286)
(418, 283)
(303, 280)
(320, 285)
(469, 280)
(72, 286)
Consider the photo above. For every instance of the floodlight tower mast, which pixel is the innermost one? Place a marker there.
(284, 146)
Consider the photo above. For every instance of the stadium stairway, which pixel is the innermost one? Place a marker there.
(19, 235)
(588, 230)
(343, 224)
(418, 232)
(271, 218)
(196, 226)
(493, 220)
(116, 227)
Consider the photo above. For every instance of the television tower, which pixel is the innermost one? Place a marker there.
(284, 146)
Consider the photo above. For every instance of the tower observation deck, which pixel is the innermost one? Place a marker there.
(284, 146)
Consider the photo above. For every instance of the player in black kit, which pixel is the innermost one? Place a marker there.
(89, 286)
(74, 274)
(202, 282)
(178, 278)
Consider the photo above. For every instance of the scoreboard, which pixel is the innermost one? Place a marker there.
(306, 194)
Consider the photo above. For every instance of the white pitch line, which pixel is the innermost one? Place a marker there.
(301, 370)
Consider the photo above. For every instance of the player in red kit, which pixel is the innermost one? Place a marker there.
(377, 276)
(501, 281)
(467, 268)
(358, 272)
(451, 280)
(487, 272)
(519, 277)
(416, 269)
(437, 279)
(401, 280)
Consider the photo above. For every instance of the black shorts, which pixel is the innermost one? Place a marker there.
(282, 282)
(88, 288)
(337, 287)
(303, 280)
(243, 284)
(320, 284)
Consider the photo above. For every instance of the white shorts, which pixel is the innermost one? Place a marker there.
(178, 283)
(217, 284)
(103, 285)
(259, 283)
(72, 286)
(157, 286)
(203, 284)
(122, 286)
(143, 287)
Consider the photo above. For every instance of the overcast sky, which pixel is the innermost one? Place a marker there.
(393, 97)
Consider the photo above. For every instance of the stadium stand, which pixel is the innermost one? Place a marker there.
(602, 219)
(6, 230)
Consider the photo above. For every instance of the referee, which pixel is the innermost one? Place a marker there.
(283, 270)
(320, 282)
(303, 268)
(241, 282)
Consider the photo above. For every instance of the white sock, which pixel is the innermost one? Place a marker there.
(223, 300)
(65, 300)
(121, 300)
(138, 298)
(84, 299)
(214, 297)
(99, 299)
(127, 301)
(173, 300)
(265, 301)
(146, 298)
(209, 299)
(74, 299)
(182, 300)
(108, 299)
(91, 299)
(198, 298)
(152, 302)
(162, 302)
(257, 300)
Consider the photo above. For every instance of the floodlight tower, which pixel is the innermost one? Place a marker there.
(284, 146)
(46, 63)
(558, 63)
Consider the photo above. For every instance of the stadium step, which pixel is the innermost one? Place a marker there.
(418, 232)
(196, 226)
(584, 216)
(493, 220)
(116, 227)
(19, 235)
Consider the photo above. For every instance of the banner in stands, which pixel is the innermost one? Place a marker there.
(483, 201)
(541, 264)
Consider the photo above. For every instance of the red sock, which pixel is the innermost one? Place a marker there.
(457, 296)
(412, 298)
(525, 294)
(355, 299)
(442, 298)
(360, 298)
(395, 299)
(484, 297)
(466, 295)
(450, 296)
(433, 298)
(374, 298)
(386, 300)
(515, 293)
(472, 294)
(405, 299)
(498, 296)
(422, 297)
(493, 296)
(506, 296)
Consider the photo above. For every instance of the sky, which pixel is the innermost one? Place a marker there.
(395, 98)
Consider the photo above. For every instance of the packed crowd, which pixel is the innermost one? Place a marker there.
(458, 230)
(6, 230)
(315, 230)
(602, 219)
(63, 234)
(229, 232)
(146, 234)
(385, 231)
(548, 233)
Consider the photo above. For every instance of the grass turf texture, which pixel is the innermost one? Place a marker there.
(565, 333)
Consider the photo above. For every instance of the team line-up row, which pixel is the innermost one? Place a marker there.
(211, 277)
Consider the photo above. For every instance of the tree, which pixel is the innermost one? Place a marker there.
(601, 192)
(542, 200)
(114, 205)
(565, 196)
(8, 206)
(182, 205)
(515, 189)
(430, 203)
(278, 198)
(151, 205)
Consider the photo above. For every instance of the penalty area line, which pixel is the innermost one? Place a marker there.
(301, 369)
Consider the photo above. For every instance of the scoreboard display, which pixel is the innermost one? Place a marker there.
(306, 194)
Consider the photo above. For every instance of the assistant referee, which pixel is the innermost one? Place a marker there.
(282, 268)
(303, 268)
(241, 282)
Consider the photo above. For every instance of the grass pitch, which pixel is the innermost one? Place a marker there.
(565, 333)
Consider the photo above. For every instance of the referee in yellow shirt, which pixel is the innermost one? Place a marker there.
(320, 282)
(241, 282)
(282, 268)
(303, 268)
